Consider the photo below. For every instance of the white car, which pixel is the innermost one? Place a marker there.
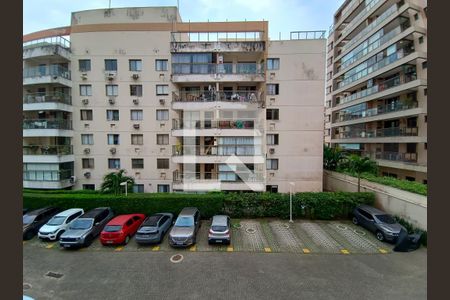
(56, 226)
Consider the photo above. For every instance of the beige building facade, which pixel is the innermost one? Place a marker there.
(182, 107)
(376, 84)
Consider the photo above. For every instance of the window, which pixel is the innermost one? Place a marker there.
(110, 64)
(85, 90)
(137, 163)
(136, 90)
(135, 65)
(138, 188)
(272, 139)
(272, 164)
(88, 163)
(409, 178)
(84, 65)
(273, 89)
(112, 115)
(273, 63)
(426, 118)
(162, 163)
(162, 90)
(137, 139)
(387, 174)
(136, 114)
(365, 214)
(163, 188)
(272, 188)
(112, 90)
(420, 39)
(272, 114)
(425, 181)
(416, 17)
(162, 139)
(425, 146)
(86, 114)
(87, 139)
(329, 75)
(425, 92)
(113, 139)
(161, 65)
(329, 89)
(162, 114)
(424, 65)
(114, 163)
(89, 187)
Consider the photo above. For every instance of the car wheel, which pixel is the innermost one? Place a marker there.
(380, 236)
(88, 241)
(127, 239)
(355, 220)
(28, 235)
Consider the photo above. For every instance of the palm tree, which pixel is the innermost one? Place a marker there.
(332, 157)
(359, 165)
(111, 182)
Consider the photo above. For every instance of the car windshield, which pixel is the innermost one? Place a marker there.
(56, 220)
(219, 228)
(152, 221)
(386, 219)
(81, 224)
(28, 219)
(112, 228)
(184, 222)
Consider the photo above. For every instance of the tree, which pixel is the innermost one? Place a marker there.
(111, 182)
(332, 157)
(359, 165)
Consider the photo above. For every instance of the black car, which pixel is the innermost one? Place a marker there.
(35, 219)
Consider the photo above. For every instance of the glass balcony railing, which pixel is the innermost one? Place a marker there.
(393, 156)
(362, 14)
(379, 110)
(216, 150)
(212, 68)
(41, 175)
(52, 70)
(47, 124)
(49, 41)
(348, 9)
(375, 133)
(213, 124)
(48, 97)
(222, 176)
(226, 96)
(47, 149)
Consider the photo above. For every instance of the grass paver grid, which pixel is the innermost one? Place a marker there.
(286, 239)
(349, 239)
(320, 238)
(253, 241)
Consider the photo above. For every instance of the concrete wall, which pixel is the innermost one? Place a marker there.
(412, 207)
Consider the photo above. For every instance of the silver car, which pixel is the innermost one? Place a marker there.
(184, 231)
(220, 230)
(153, 228)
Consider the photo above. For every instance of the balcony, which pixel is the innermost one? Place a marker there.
(52, 179)
(47, 153)
(405, 161)
(47, 75)
(358, 18)
(383, 135)
(208, 100)
(47, 101)
(47, 127)
(242, 127)
(211, 72)
(214, 154)
(47, 48)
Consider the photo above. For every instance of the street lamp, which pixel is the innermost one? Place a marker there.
(126, 188)
(292, 184)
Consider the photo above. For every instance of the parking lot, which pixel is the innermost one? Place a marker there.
(265, 235)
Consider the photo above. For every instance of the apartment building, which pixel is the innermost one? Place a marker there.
(182, 107)
(376, 84)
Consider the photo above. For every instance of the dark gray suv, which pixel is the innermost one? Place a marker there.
(383, 225)
(184, 231)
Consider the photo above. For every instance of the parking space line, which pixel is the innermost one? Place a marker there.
(50, 246)
(230, 249)
(306, 250)
(267, 249)
(120, 248)
(155, 248)
(384, 251)
(193, 248)
(345, 251)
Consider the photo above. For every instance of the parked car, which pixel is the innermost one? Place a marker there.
(24, 211)
(120, 229)
(154, 228)
(184, 231)
(33, 220)
(57, 225)
(382, 224)
(220, 230)
(83, 230)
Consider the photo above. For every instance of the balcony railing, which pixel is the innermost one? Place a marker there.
(376, 133)
(381, 86)
(223, 176)
(217, 36)
(226, 96)
(48, 97)
(47, 124)
(362, 14)
(213, 124)
(307, 35)
(52, 70)
(41, 175)
(212, 68)
(216, 150)
(376, 66)
(394, 156)
(54, 40)
(379, 110)
(47, 149)
(349, 8)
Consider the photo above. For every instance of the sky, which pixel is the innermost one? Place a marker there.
(283, 15)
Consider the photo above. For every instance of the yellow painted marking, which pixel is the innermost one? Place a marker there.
(305, 250)
(345, 251)
(155, 248)
(267, 250)
(193, 248)
(230, 249)
(119, 248)
(50, 246)
(383, 250)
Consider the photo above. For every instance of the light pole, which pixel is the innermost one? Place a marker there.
(126, 187)
(290, 201)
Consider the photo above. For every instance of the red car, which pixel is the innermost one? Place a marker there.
(120, 229)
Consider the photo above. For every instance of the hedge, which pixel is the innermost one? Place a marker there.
(412, 229)
(323, 205)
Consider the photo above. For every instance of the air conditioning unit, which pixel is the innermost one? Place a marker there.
(112, 100)
(87, 150)
(272, 150)
(135, 76)
(162, 101)
(84, 76)
(136, 126)
(112, 150)
(85, 101)
(110, 75)
(163, 175)
(73, 179)
(136, 101)
(87, 174)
